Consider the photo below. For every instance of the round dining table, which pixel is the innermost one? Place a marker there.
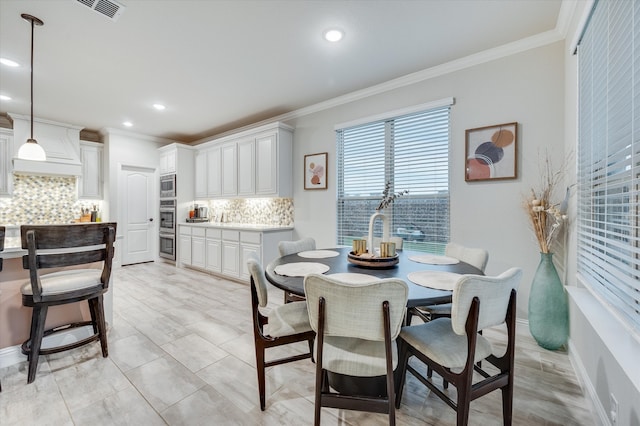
(418, 295)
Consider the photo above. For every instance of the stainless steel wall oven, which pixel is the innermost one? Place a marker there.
(167, 242)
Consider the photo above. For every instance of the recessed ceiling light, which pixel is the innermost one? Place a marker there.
(9, 62)
(333, 35)
(5, 97)
(127, 123)
(159, 107)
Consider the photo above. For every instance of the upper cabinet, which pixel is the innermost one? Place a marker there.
(253, 163)
(6, 139)
(90, 181)
(168, 161)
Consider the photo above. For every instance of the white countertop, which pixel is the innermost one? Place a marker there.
(238, 226)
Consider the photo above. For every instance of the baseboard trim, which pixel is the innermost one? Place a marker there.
(586, 385)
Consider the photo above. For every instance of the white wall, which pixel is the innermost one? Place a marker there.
(526, 88)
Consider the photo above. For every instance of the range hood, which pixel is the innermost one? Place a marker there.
(61, 143)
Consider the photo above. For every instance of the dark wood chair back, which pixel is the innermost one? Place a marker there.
(2, 234)
(57, 246)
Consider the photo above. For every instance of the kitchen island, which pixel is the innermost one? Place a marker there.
(15, 319)
(223, 248)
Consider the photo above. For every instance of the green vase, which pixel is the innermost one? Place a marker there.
(548, 306)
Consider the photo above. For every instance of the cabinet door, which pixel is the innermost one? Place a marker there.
(230, 258)
(247, 250)
(184, 249)
(229, 168)
(198, 252)
(214, 172)
(168, 162)
(5, 161)
(266, 164)
(90, 183)
(246, 167)
(200, 184)
(214, 255)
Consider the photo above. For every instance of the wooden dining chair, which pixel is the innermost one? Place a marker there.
(286, 248)
(452, 347)
(356, 326)
(61, 246)
(476, 257)
(285, 324)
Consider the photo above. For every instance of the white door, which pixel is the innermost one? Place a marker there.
(137, 210)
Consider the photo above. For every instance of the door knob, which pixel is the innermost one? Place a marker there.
(150, 219)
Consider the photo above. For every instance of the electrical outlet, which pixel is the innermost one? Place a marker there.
(613, 409)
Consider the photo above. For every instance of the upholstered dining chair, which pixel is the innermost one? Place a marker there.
(58, 246)
(285, 324)
(473, 256)
(356, 326)
(286, 248)
(451, 346)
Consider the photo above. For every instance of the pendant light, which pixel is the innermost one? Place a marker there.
(30, 150)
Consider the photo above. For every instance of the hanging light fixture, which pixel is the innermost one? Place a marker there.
(30, 150)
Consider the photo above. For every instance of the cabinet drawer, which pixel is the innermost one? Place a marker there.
(250, 237)
(185, 230)
(214, 233)
(230, 235)
(198, 232)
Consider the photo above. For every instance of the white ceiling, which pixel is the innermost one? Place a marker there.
(219, 65)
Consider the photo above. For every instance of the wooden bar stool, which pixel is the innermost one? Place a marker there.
(60, 246)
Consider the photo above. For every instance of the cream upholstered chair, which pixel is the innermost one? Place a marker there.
(452, 344)
(473, 256)
(356, 326)
(285, 324)
(55, 246)
(291, 247)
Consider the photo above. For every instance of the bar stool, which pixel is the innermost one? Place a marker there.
(60, 246)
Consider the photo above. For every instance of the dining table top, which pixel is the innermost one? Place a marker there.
(419, 295)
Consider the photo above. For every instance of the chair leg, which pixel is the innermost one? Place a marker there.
(261, 374)
(39, 316)
(97, 307)
(507, 403)
(401, 370)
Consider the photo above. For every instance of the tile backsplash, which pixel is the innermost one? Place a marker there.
(263, 211)
(42, 200)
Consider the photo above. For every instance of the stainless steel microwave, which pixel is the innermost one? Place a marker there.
(168, 186)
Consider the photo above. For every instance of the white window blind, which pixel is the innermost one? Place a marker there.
(609, 156)
(411, 152)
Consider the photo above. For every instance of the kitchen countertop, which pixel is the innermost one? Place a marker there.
(238, 226)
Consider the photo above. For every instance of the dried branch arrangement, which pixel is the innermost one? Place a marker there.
(388, 198)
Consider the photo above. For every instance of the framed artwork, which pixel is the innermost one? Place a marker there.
(315, 171)
(491, 152)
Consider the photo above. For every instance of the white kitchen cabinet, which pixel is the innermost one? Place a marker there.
(91, 181)
(6, 141)
(229, 169)
(167, 161)
(184, 245)
(266, 147)
(250, 245)
(231, 253)
(200, 181)
(198, 247)
(246, 167)
(214, 175)
(213, 243)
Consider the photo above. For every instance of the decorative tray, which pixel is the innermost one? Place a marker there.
(368, 261)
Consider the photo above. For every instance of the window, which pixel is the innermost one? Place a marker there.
(409, 151)
(609, 156)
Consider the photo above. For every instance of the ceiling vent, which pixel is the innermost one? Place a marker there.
(109, 8)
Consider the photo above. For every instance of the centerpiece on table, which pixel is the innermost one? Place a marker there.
(548, 305)
(387, 252)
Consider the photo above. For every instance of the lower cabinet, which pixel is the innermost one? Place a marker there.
(225, 251)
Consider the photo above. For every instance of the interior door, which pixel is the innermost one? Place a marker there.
(137, 210)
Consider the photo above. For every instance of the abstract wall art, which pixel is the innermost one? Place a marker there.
(491, 152)
(315, 171)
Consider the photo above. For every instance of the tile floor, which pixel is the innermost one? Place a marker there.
(181, 353)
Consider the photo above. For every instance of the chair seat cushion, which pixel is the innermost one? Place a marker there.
(290, 318)
(356, 357)
(437, 340)
(65, 281)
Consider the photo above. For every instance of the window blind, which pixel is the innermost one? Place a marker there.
(609, 156)
(411, 152)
